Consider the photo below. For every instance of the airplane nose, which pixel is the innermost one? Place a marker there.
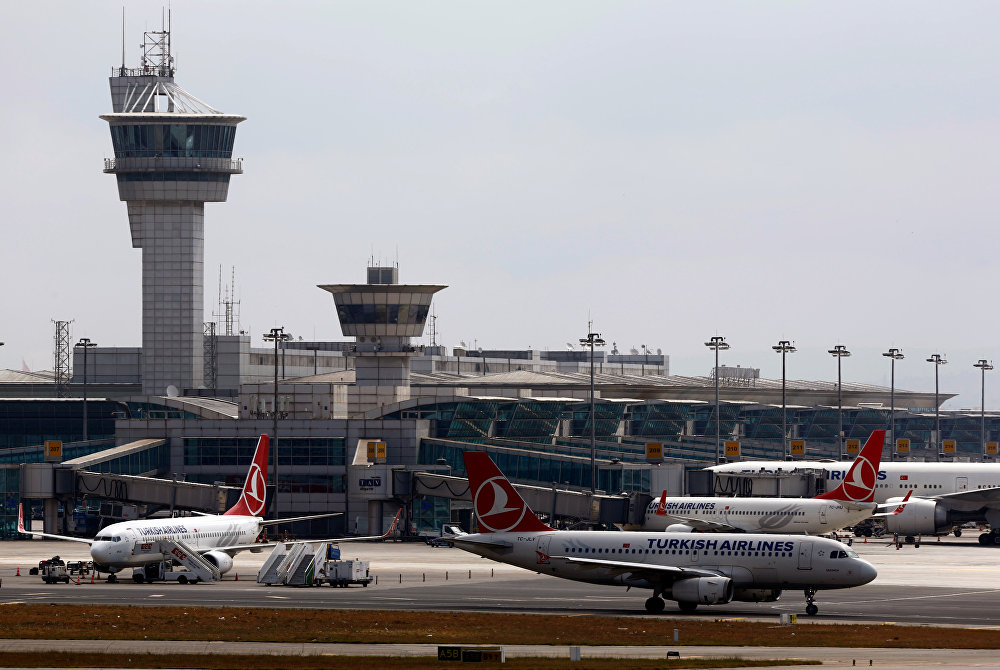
(100, 552)
(866, 572)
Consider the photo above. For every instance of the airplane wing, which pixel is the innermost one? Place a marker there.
(704, 525)
(272, 522)
(649, 572)
(235, 549)
(21, 529)
(969, 501)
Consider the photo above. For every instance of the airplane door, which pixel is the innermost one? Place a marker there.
(543, 548)
(805, 555)
(961, 483)
(822, 514)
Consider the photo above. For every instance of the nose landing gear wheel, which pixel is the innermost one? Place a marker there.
(655, 605)
(811, 608)
(112, 578)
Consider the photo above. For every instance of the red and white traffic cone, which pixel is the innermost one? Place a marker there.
(18, 572)
(237, 577)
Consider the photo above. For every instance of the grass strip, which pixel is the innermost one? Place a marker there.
(222, 661)
(240, 624)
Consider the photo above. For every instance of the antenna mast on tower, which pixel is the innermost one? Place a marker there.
(62, 367)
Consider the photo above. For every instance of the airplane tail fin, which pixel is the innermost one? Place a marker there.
(859, 483)
(251, 502)
(498, 506)
(20, 519)
(661, 509)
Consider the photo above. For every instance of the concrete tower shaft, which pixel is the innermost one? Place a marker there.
(173, 153)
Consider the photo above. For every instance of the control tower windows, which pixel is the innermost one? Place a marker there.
(382, 314)
(177, 140)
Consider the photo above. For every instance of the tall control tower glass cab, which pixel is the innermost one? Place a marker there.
(172, 154)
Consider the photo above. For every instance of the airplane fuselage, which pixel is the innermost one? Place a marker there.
(752, 561)
(756, 515)
(121, 545)
(895, 479)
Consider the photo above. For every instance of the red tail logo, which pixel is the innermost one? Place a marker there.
(498, 507)
(251, 502)
(661, 509)
(20, 518)
(859, 483)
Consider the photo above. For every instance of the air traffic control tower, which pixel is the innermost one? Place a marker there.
(173, 153)
(382, 315)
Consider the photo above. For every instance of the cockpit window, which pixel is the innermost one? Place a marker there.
(852, 554)
(116, 538)
(102, 538)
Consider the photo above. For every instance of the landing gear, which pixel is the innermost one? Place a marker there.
(655, 605)
(957, 532)
(989, 539)
(687, 606)
(908, 539)
(138, 577)
(112, 578)
(811, 608)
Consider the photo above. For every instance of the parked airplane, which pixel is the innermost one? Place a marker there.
(946, 495)
(143, 544)
(846, 505)
(708, 570)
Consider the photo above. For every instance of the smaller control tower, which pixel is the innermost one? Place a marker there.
(173, 153)
(383, 315)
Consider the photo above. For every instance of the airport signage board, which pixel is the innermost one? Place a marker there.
(53, 451)
(902, 446)
(732, 449)
(654, 452)
(798, 447)
(853, 446)
(991, 448)
(376, 452)
(948, 446)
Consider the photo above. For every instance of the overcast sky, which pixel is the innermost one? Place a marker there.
(818, 172)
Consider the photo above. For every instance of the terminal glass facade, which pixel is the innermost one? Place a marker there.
(238, 451)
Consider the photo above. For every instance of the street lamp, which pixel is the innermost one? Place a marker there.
(784, 347)
(840, 351)
(717, 342)
(893, 355)
(592, 340)
(938, 361)
(85, 344)
(276, 335)
(983, 366)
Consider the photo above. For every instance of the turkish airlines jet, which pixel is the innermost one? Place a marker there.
(707, 570)
(847, 504)
(945, 495)
(217, 538)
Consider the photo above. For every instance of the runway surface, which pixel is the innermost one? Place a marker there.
(954, 582)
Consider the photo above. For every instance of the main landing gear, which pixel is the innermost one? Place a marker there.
(811, 608)
(990, 538)
(655, 604)
(112, 578)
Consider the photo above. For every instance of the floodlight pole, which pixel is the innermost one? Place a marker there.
(85, 344)
(983, 366)
(784, 347)
(717, 342)
(592, 340)
(275, 335)
(893, 355)
(938, 361)
(840, 351)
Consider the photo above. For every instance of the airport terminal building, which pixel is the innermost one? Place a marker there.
(374, 421)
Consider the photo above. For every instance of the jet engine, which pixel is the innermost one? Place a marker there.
(221, 560)
(757, 595)
(679, 528)
(919, 517)
(703, 590)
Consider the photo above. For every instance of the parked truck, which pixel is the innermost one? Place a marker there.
(52, 570)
